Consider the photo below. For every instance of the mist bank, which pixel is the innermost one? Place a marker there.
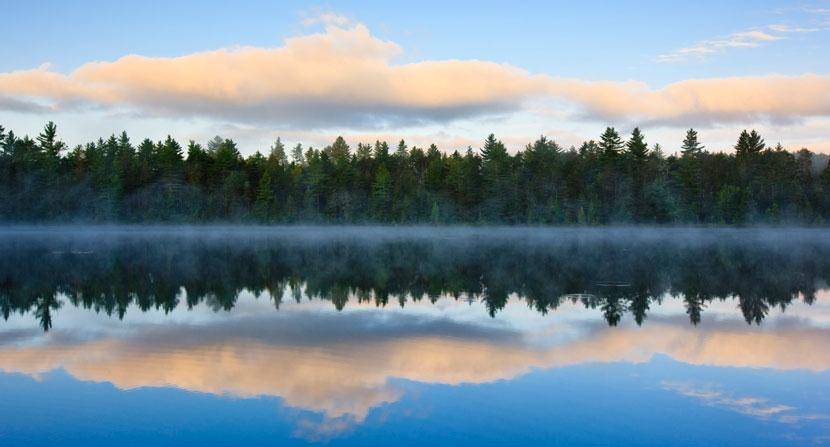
(604, 182)
(621, 271)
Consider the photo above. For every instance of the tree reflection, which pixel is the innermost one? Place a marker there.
(616, 277)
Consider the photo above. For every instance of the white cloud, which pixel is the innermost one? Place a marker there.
(758, 407)
(784, 28)
(744, 39)
(345, 78)
(342, 76)
(328, 19)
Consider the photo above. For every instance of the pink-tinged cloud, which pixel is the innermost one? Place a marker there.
(345, 76)
(743, 99)
(347, 376)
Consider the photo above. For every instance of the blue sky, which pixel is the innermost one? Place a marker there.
(655, 44)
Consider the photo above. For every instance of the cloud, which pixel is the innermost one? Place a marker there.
(345, 77)
(342, 76)
(747, 99)
(344, 367)
(327, 18)
(744, 39)
(21, 106)
(758, 407)
(784, 28)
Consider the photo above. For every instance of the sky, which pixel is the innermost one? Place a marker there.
(447, 73)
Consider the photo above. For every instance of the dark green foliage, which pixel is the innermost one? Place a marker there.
(691, 146)
(603, 182)
(749, 143)
(623, 273)
(637, 146)
(610, 142)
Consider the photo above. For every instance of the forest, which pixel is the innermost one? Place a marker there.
(621, 273)
(611, 180)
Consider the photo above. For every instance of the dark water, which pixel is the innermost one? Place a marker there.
(414, 336)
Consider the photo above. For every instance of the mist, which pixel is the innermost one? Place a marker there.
(622, 270)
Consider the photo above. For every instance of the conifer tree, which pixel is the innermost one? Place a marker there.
(48, 140)
(749, 143)
(297, 154)
(277, 154)
(610, 142)
(691, 145)
(636, 145)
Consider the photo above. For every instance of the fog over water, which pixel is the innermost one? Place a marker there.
(367, 335)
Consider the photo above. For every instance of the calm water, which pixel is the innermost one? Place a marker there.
(426, 336)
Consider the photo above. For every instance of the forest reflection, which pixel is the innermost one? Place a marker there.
(619, 272)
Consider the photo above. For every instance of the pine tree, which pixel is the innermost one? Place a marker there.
(168, 156)
(364, 151)
(749, 143)
(48, 140)
(401, 152)
(214, 144)
(339, 149)
(226, 155)
(493, 150)
(381, 151)
(277, 154)
(691, 145)
(297, 154)
(610, 142)
(637, 146)
(756, 143)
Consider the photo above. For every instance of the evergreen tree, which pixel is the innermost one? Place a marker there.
(493, 150)
(495, 165)
(637, 146)
(297, 154)
(339, 149)
(381, 151)
(48, 140)
(169, 157)
(749, 143)
(691, 145)
(364, 151)
(401, 152)
(610, 142)
(277, 154)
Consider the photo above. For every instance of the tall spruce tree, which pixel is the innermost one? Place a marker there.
(610, 142)
(749, 143)
(277, 154)
(636, 145)
(691, 145)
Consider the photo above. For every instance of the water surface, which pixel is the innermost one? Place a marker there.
(414, 336)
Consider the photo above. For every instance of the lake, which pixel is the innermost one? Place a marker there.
(414, 336)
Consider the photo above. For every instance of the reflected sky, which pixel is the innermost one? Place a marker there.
(439, 371)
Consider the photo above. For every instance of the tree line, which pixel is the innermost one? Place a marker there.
(622, 276)
(604, 181)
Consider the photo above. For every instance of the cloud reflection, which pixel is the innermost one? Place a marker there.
(759, 407)
(305, 357)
